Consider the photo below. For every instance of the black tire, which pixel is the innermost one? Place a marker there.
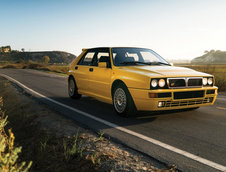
(72, 89)
(123, 102)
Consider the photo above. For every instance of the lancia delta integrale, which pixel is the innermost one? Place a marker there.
(138, 79)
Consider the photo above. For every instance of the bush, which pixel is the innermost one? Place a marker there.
(45, 59)
(34, 65)
(8, 152)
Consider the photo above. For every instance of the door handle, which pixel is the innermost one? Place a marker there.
(76, 67)
(90, 69)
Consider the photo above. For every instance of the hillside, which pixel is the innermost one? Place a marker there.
(211, 57)
(55, 56)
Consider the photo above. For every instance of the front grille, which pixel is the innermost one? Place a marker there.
(185, 82)
(188, 102)
(188, 94)
(174, 83)
(194, 82)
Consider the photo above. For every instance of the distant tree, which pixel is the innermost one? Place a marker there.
(218, 51)
(22, 49)
(206, 51)
(212, 51)
(45, 59)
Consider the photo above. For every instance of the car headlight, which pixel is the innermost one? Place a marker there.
(204, 81)
(210, 81)
(154, 83)
(158, 83)
(162, 83)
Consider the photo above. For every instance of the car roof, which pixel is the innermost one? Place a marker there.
(98, 48)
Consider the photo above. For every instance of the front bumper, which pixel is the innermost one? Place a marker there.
(145, 101)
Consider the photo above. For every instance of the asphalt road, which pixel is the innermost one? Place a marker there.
(200, 132)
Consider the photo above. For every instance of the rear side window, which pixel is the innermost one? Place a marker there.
(87, 59)
(99, 55)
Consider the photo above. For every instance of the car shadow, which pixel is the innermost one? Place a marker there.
(102, 111)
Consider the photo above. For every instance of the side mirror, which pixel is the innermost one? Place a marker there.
(102, 64)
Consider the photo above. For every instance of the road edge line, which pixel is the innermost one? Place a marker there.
(221, 99)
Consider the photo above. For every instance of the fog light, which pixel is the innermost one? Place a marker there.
(210, 100)
(161, 104)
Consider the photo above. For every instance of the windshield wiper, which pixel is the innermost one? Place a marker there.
(135, 62)
(146, 63)
(157, 63)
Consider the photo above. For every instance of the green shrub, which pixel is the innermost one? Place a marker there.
(9, 152)
(76, 148)
(45, 59)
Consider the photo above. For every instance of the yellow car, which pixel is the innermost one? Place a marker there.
(138, 79)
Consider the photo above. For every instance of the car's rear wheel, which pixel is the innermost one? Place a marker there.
(72, 89)
(123, 102)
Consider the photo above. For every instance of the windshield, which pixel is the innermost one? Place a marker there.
(136, 56)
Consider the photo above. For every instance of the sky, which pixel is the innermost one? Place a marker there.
(175, 29)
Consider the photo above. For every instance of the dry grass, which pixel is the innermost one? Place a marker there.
(219, 72)
(38, 66)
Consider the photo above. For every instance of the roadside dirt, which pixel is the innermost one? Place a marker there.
(46, 137)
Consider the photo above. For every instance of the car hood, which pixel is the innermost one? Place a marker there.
(164, 71)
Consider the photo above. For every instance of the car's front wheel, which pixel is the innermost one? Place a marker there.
(123, 102)
(72, 89)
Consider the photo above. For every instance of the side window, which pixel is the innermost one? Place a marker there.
(102, 54)
(87, 60)
(102, 57)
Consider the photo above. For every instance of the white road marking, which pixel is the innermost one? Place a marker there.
(222, 108)
(221, 99)
(151, 140)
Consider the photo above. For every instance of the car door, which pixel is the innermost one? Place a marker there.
(100, 78)
(82, 71)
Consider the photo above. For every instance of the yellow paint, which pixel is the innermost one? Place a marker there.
(98, 83)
